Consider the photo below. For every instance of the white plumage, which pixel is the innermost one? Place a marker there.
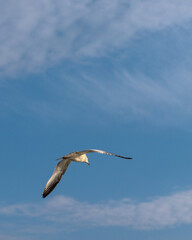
(64, 163)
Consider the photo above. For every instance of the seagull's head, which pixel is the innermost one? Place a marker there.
(87, 161)
(81, 158)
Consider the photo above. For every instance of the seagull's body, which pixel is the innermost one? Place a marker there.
(64, 163)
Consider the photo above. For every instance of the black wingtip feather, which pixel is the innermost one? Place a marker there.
(45, 193)
(48, 189)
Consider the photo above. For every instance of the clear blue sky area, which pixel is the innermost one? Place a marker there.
(110, 75)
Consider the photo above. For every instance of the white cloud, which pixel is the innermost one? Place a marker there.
(158, 213)
(35, 34)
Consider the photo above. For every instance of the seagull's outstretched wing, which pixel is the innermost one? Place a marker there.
(56, 177)
(102, 152)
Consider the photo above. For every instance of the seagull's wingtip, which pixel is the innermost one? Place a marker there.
(44, 195)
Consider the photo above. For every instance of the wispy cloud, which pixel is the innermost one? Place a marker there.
(165, 99)
(158, 213)
(39, 33)
(11, 237)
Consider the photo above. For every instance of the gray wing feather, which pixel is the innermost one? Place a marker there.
(102, 152)
(56, 177)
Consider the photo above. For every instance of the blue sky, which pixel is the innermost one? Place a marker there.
(111, 75)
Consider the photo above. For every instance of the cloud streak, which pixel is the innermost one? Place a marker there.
(158, 213)
(163, 100)
(35, 35)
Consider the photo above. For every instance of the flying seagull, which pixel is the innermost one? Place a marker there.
(62, 166)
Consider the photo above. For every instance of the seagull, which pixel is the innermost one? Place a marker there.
(62, 166)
